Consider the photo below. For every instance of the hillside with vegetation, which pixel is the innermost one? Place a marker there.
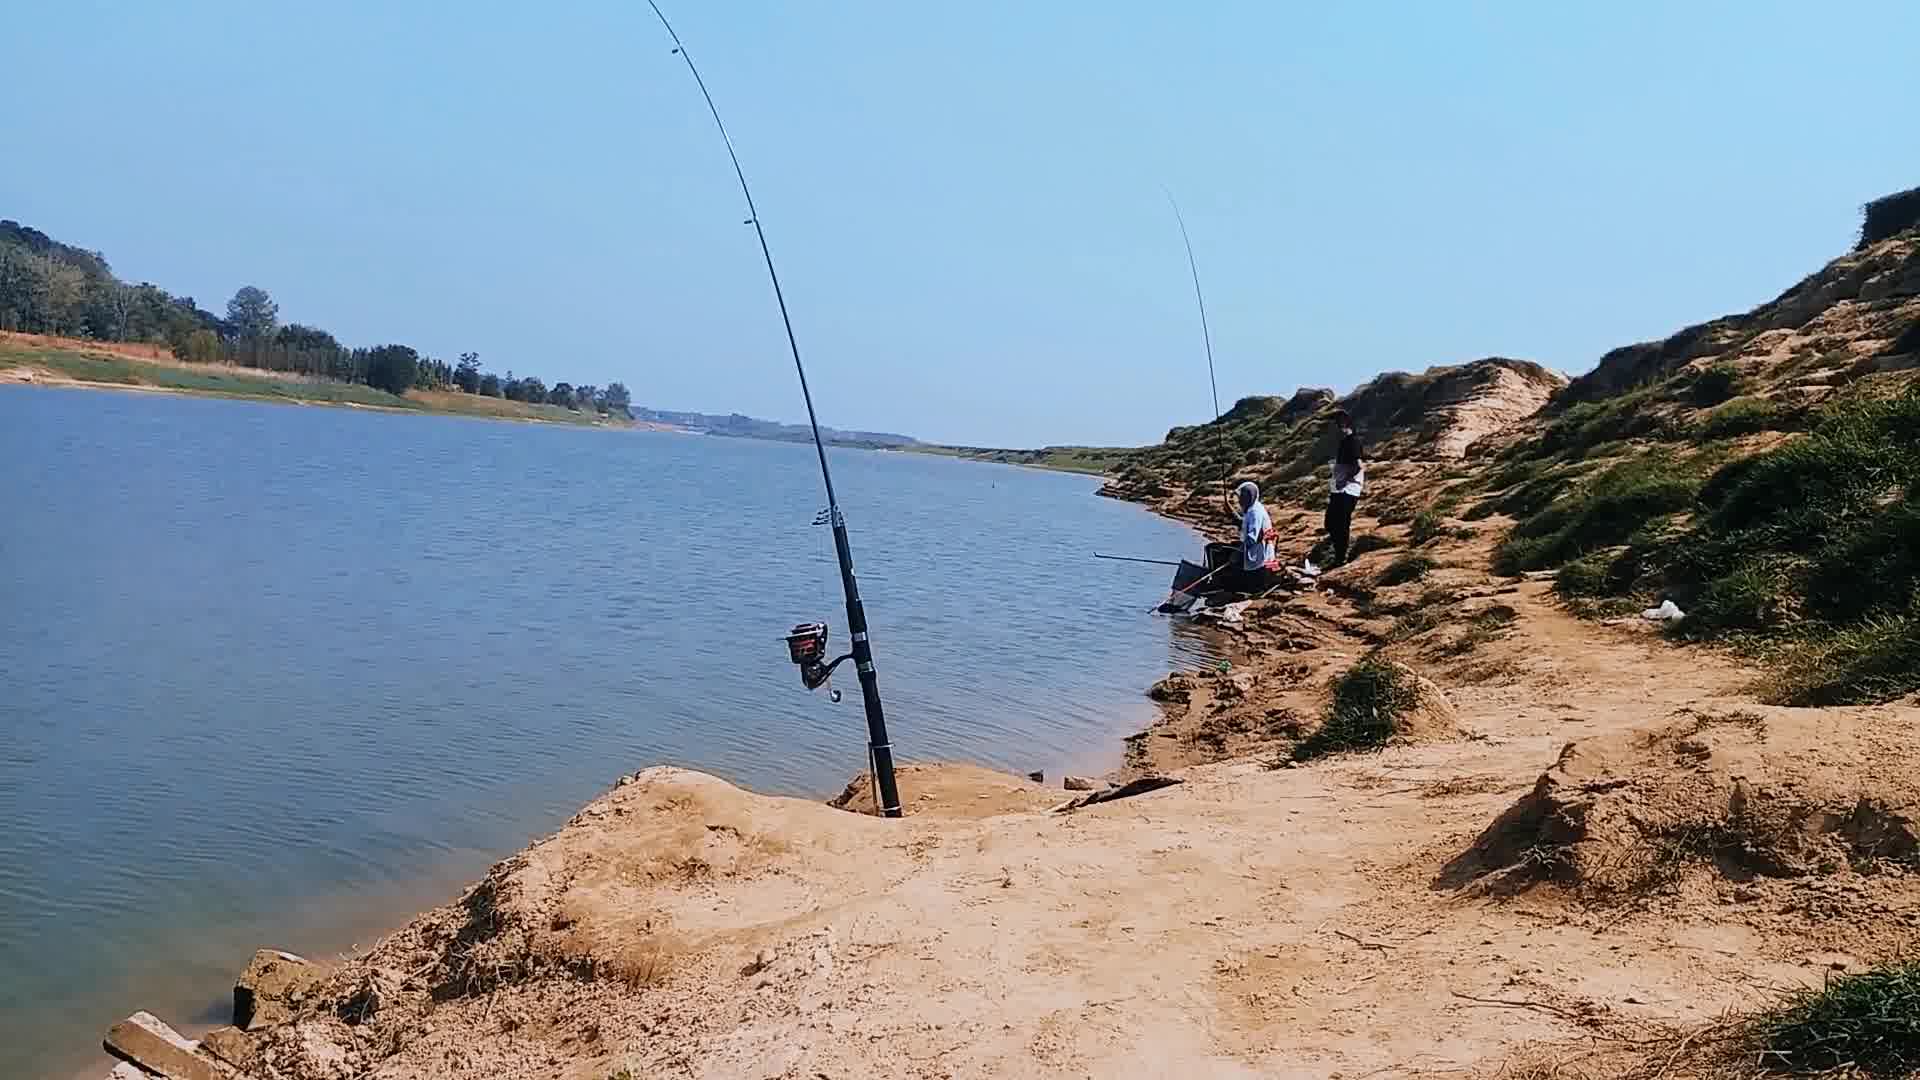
(1759, 470)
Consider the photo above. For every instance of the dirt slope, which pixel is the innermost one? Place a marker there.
(1426, 421)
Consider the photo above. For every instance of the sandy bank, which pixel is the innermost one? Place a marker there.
(1430, 908)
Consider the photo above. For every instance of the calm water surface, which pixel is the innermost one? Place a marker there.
(282, 676)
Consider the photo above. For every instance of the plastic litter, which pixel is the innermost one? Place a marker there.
(1307, 568)
(1668, 611)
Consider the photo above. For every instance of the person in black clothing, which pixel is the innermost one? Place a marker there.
(1349, 480)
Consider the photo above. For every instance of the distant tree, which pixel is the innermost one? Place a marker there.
(252, 314)
(561, 395)
(618, 400)
(433, 374)
(532, 390)
(466, 375)
(201, 347)
(306, 338)
(392, 368)
(489, 385)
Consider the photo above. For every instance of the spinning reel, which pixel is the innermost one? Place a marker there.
(807, 648)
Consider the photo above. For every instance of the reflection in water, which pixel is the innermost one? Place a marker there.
(280, 676)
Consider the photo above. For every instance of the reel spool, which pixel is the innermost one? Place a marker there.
(807, 648)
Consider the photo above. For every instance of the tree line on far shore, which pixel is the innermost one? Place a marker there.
(47, 287)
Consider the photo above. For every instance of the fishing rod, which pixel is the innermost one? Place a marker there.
(1206, 336)
(1200, 300)
(807, 645)
(1130, 558)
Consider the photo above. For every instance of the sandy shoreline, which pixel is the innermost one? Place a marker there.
(30, 376)
(1251, 921)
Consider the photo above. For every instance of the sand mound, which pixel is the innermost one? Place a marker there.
(1430, 715)
(667, 863)
(1761, 792)
(949, 790)
(1444, 410)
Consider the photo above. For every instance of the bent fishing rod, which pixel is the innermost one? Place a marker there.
(1200, 300)
(807, 644)
(1206, 336)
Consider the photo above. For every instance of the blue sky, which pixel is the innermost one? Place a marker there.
(965, 198)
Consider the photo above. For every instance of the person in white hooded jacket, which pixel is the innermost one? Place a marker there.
(1257, 559)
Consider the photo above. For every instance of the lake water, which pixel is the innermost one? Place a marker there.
(278, 676)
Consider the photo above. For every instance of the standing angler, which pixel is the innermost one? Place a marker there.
(1349, 480)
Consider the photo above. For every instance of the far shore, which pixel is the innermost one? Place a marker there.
(35, 360)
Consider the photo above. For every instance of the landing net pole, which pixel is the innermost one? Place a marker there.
(878, 745)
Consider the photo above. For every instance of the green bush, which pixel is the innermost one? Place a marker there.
(1868, 1022)
(1741, 416)
(1585, 577)
(1367, 699)
(1425, 526)
(1368, 542)
(1713, 385)
(1406, 568)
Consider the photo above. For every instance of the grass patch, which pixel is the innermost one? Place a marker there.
(1631, 415)
(1366, 542)
(1414, 622)
(1604, 511)
(1527, 497)
(1488, 626)
(109, 370)
(1875, 660)
(1367, 699)
(1741, 416)
(1869, 1022)
(1409, 567)
(1805, 555)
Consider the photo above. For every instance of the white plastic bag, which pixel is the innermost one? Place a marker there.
(1668, 611)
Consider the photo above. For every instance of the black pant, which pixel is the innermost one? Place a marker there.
(1340, 523)
(1237, 578)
